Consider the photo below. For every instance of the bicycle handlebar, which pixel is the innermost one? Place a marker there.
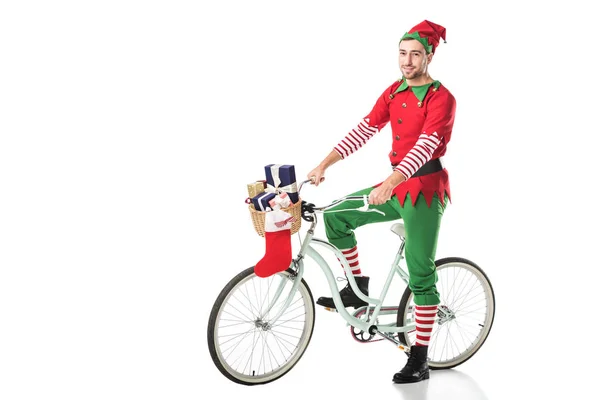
(311, 208)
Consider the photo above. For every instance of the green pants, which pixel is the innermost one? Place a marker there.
(422, 225)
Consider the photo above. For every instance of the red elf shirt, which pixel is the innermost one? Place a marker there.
(421, 118)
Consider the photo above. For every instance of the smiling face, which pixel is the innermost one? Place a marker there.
(413, 59)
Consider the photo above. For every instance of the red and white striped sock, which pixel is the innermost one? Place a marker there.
(425, 318)
(352, 258)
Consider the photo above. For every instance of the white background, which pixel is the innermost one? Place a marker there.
(130, 129)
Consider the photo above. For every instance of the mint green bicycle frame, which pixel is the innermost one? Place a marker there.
(366, 325)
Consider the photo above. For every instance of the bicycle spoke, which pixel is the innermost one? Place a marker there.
(444, 345)
(283, 339)
(443, 285)
(282, 302)
(463, 297)
(256, 297)
(293, 319)
(286, 334)
(229, 334)
(245, 333)
(240, 356)
(273, 362)
(243, 320)
(260, 296)
(290, 310)
(281, 343)
(462, 288)
(469, 315)
(268, 296)
(460, 332)
(245, 286)
(234, 296)
(244, 315)
(446, 342)
(273, 356)
(434, 336)
(249, 362)
(289, 327)
(473, 300)
(451, 343)
(446, 273)
(262, 356)
(451, 289)
(234, 320)
(468, 331)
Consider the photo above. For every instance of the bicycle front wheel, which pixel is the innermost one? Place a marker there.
(465, 314)
(245, 345)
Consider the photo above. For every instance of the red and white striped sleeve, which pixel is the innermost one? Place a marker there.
(421, 152)
(436, 130)
(356, 138)
(374, 122)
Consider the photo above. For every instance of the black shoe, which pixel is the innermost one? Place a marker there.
(416, 368)
(349, 298)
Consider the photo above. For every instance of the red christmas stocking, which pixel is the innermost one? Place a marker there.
(278, 237)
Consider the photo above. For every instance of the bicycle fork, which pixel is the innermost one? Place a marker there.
(295, 277)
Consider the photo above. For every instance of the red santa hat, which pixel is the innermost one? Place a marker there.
(428, 34)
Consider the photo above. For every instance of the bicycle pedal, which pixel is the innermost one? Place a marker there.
(404, 348)
(332, 309)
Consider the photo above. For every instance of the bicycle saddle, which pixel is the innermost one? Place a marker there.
(398, 229)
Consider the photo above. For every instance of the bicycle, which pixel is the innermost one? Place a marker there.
(258, 342)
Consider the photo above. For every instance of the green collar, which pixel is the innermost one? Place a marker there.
(419, 91)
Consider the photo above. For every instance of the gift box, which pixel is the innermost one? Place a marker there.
(256, 188)
(282, 177)
(261, 201)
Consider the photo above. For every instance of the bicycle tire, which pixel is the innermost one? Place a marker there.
(216, 346)
(405, 309)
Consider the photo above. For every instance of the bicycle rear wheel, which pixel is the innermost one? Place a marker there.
(244, 344)
(465, 314)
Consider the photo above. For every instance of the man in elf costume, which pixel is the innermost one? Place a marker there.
(420, 111)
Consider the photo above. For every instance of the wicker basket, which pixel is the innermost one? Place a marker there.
(258, 217)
